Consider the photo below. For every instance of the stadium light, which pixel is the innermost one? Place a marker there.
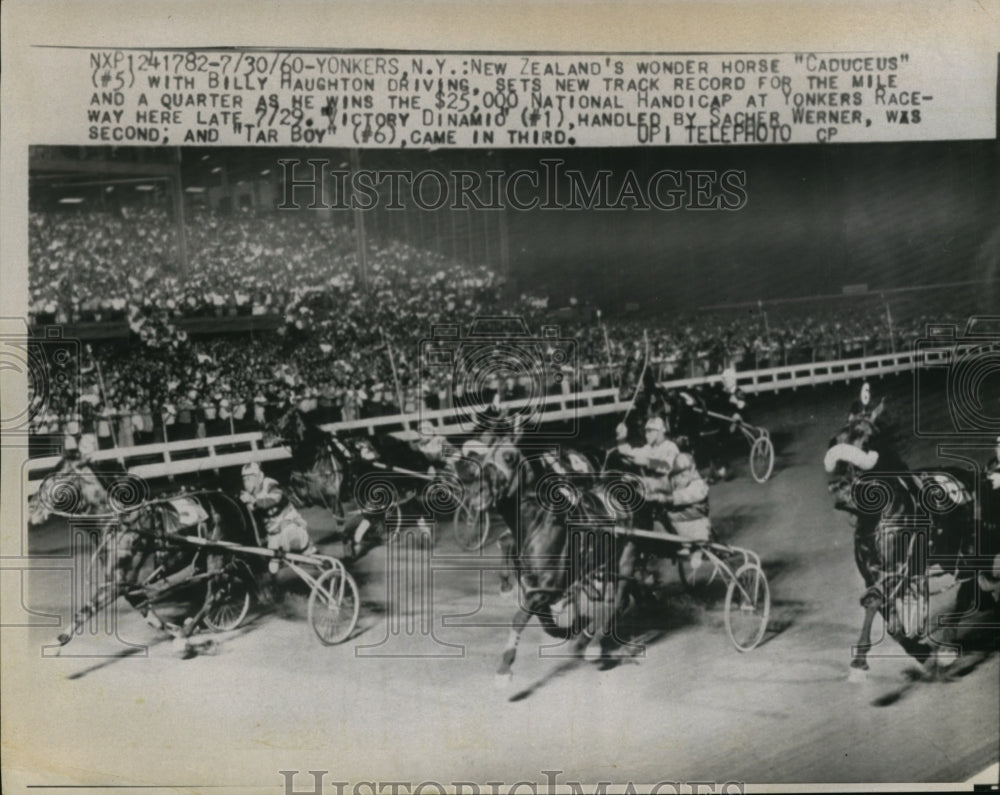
(194, 189)
(71, 200)
(144, 188)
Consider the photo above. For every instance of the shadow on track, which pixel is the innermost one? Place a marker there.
(644, 623)
(918, 677)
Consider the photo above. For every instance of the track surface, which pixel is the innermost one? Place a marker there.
(690, 708)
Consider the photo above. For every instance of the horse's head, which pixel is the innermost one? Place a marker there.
(289, 428)
(487, 475)
(848, 456)
(38, 511)
(69, 491)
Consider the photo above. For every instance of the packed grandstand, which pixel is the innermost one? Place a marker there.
(333, 345)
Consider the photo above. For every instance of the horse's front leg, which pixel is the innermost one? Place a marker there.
(615, 595)
(99, 601)
(504, 673)
(506, 545)
(871, 602)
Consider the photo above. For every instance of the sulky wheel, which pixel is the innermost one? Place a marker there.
(227, 599)
(334, 605)
(472, 526)
(748, 607)
(762, 458)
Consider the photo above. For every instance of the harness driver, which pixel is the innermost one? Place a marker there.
(286, 529)
(656, 457)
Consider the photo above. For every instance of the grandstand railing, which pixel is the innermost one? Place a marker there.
(216, 453)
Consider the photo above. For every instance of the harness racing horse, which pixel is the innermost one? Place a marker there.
(73, 489)
(561, 549)
(320, 461)
(144, 561)
(915, 541)
(328, 472)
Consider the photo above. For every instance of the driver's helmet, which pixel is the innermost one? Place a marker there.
(87, 446)
(657, 423)
(366, 450)
(252, 475)
(473, 449)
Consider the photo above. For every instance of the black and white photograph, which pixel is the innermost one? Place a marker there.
(499, 419)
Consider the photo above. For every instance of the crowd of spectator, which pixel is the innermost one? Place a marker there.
(343, 350)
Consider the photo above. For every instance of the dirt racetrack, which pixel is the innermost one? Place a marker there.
(411, 697)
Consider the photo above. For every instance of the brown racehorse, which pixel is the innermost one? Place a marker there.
(915, 543)
(141, 560)
(320, 461)
(562, 550)
(328, 471)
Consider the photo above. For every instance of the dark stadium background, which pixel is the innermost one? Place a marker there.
(817, 218)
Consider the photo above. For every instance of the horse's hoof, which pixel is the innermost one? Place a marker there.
(857, 675)
(63, 639)
(208, 646)
(945, 658)
(182, 647)
(503, 681)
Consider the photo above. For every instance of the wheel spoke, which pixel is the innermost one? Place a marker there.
(334, 606)
(228, 596)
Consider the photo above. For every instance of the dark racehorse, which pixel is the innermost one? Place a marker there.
(143, 559)
(914, 544)
(561, 548)
(75, 489)
(320, 461)
(328, 471)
